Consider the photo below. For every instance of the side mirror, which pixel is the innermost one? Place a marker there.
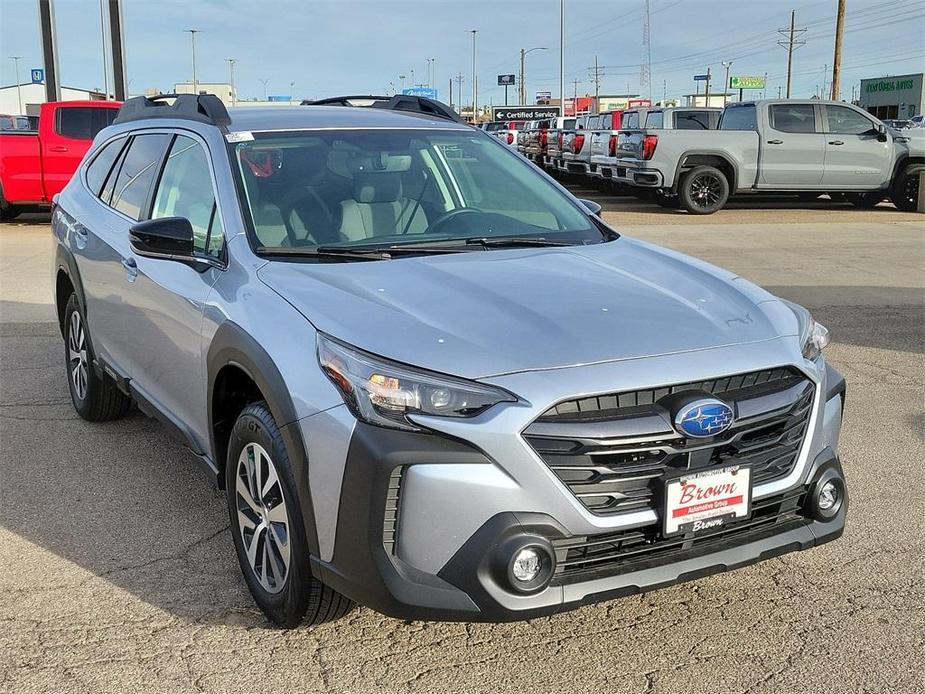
(881, 132)
(168, 238)
(590, 205)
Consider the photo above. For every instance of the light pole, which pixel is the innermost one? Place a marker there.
(726, 64)
(234, 97)
(562, 58)
(192, 36)
(412, 78)
(523, 88)
(475, 80)
(291, 90)
(103, 48)
(16, 59)
(433, 78)
(429, 77)
(402, 78)
(264, 82)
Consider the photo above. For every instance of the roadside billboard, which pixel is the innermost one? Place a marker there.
(747, 82)
(426, 92)
(505, 80)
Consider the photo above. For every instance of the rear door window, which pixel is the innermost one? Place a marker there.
(630, 120)
(739, 118)
(83, 122)
(137, 173)
(793, 118)
(102, 163)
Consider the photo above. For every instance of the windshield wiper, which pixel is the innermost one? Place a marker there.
(324, 252)
(513, 242)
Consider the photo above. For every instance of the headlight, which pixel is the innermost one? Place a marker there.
(813, 336)
(816, 340)
(384, 392)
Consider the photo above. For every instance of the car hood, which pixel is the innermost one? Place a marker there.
(482, 313)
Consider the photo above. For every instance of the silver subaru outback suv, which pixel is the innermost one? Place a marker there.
(429, 379)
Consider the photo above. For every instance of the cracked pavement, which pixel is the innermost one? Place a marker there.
(117, 571)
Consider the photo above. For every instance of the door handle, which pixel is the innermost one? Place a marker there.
(131, 269)
(58, 148)
(775, 142)
(836, 142)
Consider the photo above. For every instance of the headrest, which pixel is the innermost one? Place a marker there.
(376, 187)
(381, 161)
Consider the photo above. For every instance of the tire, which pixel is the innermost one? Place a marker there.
(7, 211)
(279, 576)
(866, 201)
(905, 191)
(703, 190)
(96, 398)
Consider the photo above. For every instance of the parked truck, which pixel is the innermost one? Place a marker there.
(798, 146)
(35, 165)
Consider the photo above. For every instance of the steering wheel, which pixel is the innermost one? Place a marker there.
(447, 217)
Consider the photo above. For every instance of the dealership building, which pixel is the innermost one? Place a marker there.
(899, 96)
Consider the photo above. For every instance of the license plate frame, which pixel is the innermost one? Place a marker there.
(718, 508)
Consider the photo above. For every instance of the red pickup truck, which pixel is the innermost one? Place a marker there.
(36, 164)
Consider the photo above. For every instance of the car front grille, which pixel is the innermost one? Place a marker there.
(589, 557)
(614, 452)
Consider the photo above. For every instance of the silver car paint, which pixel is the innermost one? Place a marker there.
(645, 316)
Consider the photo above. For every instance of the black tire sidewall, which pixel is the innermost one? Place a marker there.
(684, 190)
(286, 608)
(897, 194)
(87, 406)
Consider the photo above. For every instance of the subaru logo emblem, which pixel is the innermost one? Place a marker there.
(703, 418)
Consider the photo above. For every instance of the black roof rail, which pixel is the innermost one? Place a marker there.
(419, 105)
(205, 108)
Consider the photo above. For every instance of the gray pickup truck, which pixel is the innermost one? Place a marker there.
(800, 146)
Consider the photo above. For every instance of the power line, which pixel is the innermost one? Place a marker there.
(791, 44)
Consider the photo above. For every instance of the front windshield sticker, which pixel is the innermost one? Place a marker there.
(240, 137)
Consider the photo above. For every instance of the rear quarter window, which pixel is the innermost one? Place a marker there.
(630, 120)
(101, 164)
(655, 120)
(692, 121)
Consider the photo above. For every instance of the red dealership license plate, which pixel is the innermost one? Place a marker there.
(707, 500)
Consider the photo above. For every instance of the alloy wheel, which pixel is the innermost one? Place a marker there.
(77, 355)
(911, 189)
(263, 521)
(705, 190)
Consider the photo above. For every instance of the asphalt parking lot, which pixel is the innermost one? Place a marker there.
(118, 572)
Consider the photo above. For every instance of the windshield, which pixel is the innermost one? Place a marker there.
(388, 188)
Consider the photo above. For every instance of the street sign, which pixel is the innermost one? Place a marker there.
(505, 80)
(426, 92)
(747, 82)
(701, 78)
(38, 75)
(523, 112)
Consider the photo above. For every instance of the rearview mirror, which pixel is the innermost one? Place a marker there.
(168, 238)
(590, 205)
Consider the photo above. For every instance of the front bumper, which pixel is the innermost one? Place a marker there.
(422, 519)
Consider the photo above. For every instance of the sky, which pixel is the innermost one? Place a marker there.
(316, 48)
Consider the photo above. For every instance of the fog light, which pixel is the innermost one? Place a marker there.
(527, 565)
(828, 496)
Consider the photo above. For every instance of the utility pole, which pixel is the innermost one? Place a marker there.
(264, 82)
(706, 100)
(103, 48)
(451, 92)
(234, 96)
(459, 96)
(595, 73)
(727, 64)
(645, 72)
(192, 36)
(836, 63)
(429, 78)
(562, 58)
(791, 44)
(16, 59)
(475, 80)
(523, 72)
